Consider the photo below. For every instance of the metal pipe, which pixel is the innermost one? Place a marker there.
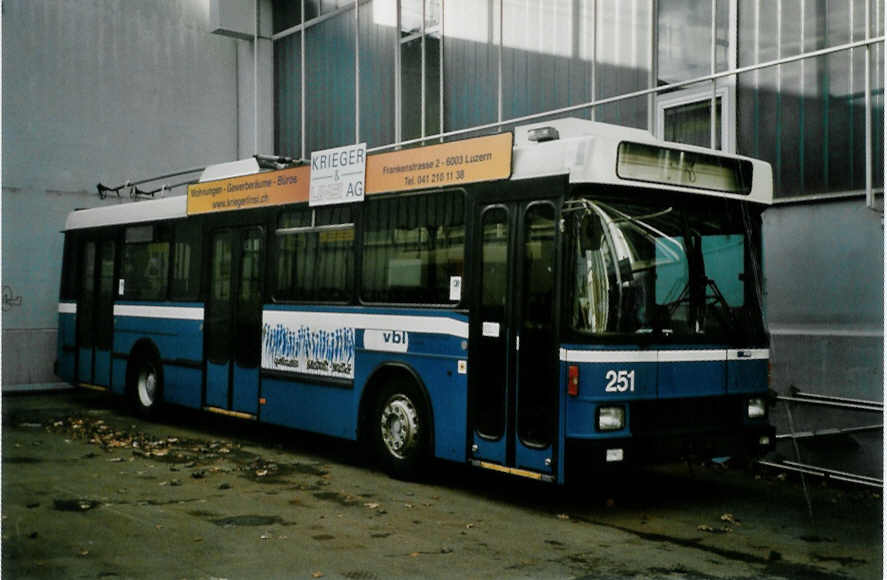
(829, 432)
(832, 471)
(398, 105)
(812, 470)
(256, 80)
(356, 71)
(424, 82)
(869, 193)
(166, 175)
(871, 408)
(594, 34)
(791, 424)
(713, 113)
(653, 79)
(302, 82)
(638, 93)
(500, 102)
(837, 399)
(804, 401)
(440, 68)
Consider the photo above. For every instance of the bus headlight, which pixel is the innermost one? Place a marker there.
(757, 408)
(610, 418)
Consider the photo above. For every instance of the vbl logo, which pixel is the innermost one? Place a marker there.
(386, 340)
(395, 337)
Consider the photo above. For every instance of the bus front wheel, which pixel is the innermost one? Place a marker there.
(401, 427)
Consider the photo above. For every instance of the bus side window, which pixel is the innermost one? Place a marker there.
(145, 272)
(187, 250)
(315, 255)
(414, 248)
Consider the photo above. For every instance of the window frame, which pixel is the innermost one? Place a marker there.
(156, 237)
(273, 256)
(359, 265)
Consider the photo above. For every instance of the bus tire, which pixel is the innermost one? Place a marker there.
(145, 385)
(401, 428)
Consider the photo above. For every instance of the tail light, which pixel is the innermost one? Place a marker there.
(573, 380)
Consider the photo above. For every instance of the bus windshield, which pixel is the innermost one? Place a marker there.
(680, 270)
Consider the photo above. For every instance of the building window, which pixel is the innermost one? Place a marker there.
(685, 117)
(690, 36)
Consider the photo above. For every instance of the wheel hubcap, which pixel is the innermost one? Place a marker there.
(147, 387)
(399, 423)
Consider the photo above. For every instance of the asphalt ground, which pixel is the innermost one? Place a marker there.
(90, 491)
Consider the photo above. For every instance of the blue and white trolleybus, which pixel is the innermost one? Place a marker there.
(565, 296)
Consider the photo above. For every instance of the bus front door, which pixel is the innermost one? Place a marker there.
(95, 311)
(234, 320)
(513, 367)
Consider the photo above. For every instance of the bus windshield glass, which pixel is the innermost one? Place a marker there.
(683, 270)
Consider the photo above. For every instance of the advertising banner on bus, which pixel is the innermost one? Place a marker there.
(250, 191)
(447, 164)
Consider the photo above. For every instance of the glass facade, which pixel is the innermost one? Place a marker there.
(407, 69)
(808, 117)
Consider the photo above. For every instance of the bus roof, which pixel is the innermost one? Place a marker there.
(600, 153)
(585, 151)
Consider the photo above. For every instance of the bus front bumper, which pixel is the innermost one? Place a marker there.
(752, 441)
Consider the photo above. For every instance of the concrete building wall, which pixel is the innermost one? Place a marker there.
(103, 90)
(824, 267)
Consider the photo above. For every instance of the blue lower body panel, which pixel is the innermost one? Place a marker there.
(490, 449)
(217, 385)
(102, 368)
(181, 385)
(318, 408)
(246, 390)
(84, 365)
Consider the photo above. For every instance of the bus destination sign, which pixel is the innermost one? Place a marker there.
(249, 191)
(454, 163)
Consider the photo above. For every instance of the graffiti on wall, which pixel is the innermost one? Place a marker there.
(10, 300)
(302, 346)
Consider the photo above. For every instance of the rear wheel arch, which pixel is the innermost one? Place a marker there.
(389, 380)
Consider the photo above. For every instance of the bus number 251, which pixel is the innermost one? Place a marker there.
(619, 381)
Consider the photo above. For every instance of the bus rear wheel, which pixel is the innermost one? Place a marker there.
(401, 428)
(145, 386)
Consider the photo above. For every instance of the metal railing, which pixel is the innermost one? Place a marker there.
(797, 397)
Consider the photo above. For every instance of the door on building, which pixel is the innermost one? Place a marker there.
(513, 370)
(95, 310)
(234, 319)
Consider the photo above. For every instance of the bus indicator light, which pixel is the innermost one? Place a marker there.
(573, 380)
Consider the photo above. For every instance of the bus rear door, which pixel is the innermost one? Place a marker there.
(234, 319)
(513, 370)
(95, 310)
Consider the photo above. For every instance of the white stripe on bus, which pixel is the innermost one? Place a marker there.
(67, 308)
(651, 356)
(428, 324)
(606, 356)
(749, 354)
(150, 311)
